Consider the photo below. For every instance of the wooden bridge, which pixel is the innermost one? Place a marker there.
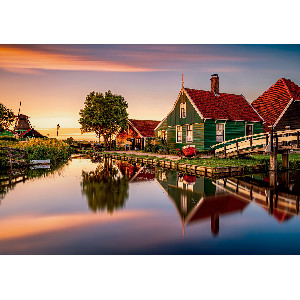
(270, 143)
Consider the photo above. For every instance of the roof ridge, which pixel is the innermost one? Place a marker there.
(213, 92)
(286, 86)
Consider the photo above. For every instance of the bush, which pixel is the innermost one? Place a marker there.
(8, 138)
(52, 149)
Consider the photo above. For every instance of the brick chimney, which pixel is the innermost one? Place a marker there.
(215, 83)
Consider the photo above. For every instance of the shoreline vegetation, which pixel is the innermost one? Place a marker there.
(59, 151)
(34, 149)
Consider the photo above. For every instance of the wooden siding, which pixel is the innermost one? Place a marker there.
(191, 114)
(198, 137)
(233, 130)
(257, 128)
(290, 118)
(163, 126)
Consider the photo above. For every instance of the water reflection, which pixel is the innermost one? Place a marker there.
(278, 194)
(9, 180)
(198, 199)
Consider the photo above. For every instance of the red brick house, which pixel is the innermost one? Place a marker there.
(136, 133)
(279, 106)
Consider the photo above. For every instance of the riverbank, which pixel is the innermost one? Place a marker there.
(205, 165)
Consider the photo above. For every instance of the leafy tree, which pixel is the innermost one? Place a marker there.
(7, 117)
(104, 114)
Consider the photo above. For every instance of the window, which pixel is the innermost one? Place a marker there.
(164, 134)
(159, 134)
(249, 129)
(178, 134)
(189, 133)
(220, 133)
(182, 110)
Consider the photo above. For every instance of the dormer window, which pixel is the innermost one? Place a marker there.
(182, 110)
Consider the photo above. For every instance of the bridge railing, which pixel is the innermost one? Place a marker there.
(268, 141)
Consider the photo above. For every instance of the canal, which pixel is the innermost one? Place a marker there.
(114, 207)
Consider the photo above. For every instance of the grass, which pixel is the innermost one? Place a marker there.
(215, 162)
(41, 149)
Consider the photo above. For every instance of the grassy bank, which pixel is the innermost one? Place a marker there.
(215, 162)
(38, 149)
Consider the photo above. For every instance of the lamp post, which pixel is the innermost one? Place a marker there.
(57, 127)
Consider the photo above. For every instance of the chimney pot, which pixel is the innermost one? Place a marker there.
(215, 83)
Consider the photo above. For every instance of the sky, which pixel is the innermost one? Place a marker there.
(52, 81)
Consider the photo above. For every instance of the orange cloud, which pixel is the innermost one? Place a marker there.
(18, 227)
(13, 58)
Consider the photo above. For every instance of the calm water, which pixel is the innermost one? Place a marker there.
(87, 208)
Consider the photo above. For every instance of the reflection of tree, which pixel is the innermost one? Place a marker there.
(105, 188)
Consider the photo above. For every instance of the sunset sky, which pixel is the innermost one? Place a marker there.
(52, 81)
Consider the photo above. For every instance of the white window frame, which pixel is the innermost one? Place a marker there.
(178, 126)
(191, 130)
(246, 128)
(183, 105)
(223, 132)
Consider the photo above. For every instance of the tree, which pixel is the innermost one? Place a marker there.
(104, 114)
(7, 117)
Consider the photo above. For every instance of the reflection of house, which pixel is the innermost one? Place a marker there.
(198, 199)
(136, 133)
(279, 106)
(204, 118)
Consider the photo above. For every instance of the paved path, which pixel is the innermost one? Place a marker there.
(172, 157)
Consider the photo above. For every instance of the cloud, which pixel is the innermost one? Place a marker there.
(111, 58)
(13, 58)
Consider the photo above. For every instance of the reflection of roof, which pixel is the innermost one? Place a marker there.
(273, 101)
(145, 175)
(223, 106)
(145, 127)
(218, 205)
(280, 216)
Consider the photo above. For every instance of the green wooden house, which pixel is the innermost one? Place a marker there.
(204, 118)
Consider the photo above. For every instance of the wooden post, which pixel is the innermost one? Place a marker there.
(285, 160)
(271, 139)
(237, 147)
(273, 162)
(251, 143)
(298, 139)
(225, 150)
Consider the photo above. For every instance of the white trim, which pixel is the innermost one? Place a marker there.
(190, 99)
(194, 105)
(186, 141)
(135, 129)
(283, 112)
(253, 109)
(224, 135)
(177, 134)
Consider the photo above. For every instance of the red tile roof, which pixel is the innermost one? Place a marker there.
(145, 127)
(223, 106)
(273, 101)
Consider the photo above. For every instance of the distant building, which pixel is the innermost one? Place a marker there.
(204, 118)
(24, 129)
(22, 124)
(136, 133)
(279, 106)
